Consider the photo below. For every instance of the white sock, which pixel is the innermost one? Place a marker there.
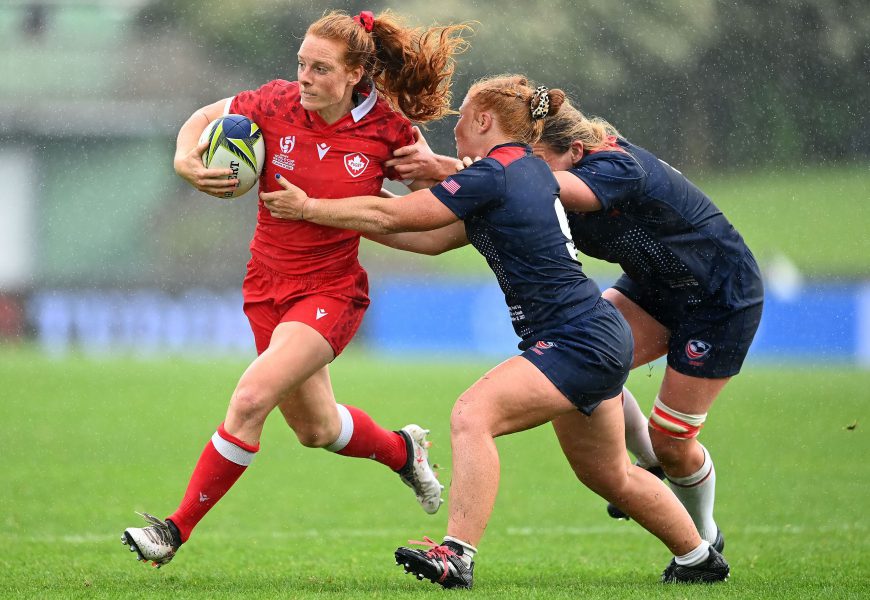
(637, 432)
(696, 556)
(468, 551)
(697, 492)
(346, 429)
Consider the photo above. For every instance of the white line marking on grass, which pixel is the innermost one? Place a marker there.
(613, 529)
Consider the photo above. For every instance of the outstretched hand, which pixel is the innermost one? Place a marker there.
(214, 182)
(418, 162)
(287, 203)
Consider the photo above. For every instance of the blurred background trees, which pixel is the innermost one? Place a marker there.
(711, 84)
(92, 93)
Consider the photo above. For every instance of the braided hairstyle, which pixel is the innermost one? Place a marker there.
(570, 125)
(521, 109)
(411, 67)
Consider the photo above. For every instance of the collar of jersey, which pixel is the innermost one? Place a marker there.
(357, 112)
(364, 107)
(526, 147)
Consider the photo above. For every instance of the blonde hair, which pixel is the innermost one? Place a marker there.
(513, 99)
(571, 125)
(411, 67)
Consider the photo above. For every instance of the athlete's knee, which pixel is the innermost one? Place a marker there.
(468, 416)
(250, 403)
(610, 483)
(313, 436)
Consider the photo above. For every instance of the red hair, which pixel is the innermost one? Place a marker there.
(411, 67)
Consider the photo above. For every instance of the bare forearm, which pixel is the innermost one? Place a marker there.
(188, 135)
(366, 214)
(430, 243)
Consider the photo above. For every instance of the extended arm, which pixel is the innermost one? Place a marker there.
(418, 211)
(432, 242)
(576, 196)
(419, 162)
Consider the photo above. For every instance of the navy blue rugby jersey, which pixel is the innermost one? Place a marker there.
(661, 229)
(510, 204)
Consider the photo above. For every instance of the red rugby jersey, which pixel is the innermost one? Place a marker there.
(335, 160)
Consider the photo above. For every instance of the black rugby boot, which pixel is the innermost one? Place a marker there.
(712, 570)
(441, 564)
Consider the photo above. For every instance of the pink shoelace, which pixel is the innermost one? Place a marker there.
(436, 551)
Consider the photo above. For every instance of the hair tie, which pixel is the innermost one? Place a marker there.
(366, 20)
(540, 104)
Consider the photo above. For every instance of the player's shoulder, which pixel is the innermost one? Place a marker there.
(620, 161)
(379, 121)
(280, 88)
(507, 154)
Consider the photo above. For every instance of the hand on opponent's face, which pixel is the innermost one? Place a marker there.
(287, 203)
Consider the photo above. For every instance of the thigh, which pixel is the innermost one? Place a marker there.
(650, 336)
(295, 353)
(594, 445)
(514, 396)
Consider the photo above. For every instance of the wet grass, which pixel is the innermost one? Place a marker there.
(86, 443)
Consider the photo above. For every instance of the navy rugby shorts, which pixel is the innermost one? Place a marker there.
(588, 359)
(711, 335)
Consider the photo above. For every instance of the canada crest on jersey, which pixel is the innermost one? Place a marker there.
(355, 163)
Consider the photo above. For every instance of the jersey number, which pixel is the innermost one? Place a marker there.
(563, 225)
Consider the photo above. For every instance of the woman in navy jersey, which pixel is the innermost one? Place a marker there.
(360, 82)
(576, 348)
(691, 289)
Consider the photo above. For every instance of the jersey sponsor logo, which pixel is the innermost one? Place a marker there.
(284, 161)
(322, 149)
(288, 143)
(355, 163)
(451, 186)
(320, 314)
(203, 497)
(697, 349)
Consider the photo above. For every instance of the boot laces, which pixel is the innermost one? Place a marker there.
(436, 551)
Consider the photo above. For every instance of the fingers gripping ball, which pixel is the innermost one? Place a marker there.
(236, 143)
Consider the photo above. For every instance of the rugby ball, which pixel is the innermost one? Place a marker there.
(235, 142)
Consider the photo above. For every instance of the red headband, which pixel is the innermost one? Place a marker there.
(366, 20)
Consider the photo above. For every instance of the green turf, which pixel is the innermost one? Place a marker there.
(86, 443)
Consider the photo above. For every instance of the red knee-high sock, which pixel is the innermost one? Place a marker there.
(220, 465)
(361, 437)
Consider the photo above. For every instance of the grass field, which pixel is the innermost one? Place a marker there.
(87, 443)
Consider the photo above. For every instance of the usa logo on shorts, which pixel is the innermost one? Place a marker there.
(697, 349)
(540, 346)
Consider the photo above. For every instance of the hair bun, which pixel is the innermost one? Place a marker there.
(540, 103)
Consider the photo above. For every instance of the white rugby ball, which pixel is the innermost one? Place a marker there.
(235, 142)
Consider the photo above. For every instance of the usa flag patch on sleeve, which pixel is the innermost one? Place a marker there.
(451, 186)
